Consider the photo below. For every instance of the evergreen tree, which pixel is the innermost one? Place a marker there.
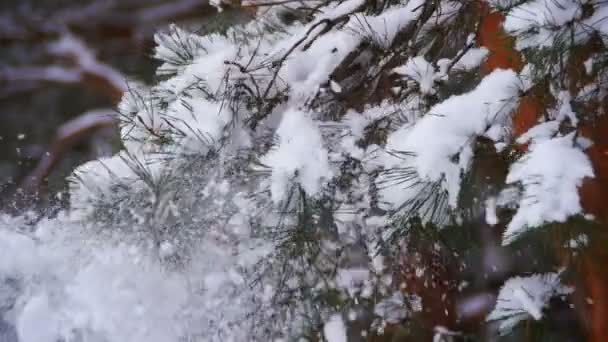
(340, 171)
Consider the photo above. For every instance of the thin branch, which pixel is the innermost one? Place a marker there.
(86, 69)
(68, 135)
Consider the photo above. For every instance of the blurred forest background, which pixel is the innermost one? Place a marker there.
(63, 67)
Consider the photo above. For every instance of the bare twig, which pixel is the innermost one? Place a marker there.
(92, 70)
(69, 134)
(171, 10)
(86, 69)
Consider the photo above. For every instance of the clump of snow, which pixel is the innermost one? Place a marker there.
(579, 241)
(542, 131)
(443, 334)
(334, 329)
(356, 123)
(95, 180)
(341, 9)
(299, 155)
(38, 310)
(209, 68)
(472, 58)
(171, 45)
(454, 124)
(199, 123)
(597, 21)
(563, 110)
(398, 307)
(550, 174)
(420, 71)
(522, 298)
(306, 70)
(335, 87)
(353, 280)
(558, 114)
(546, 23)
(312, 52)
(537, 23)
(382, 29)
(70, 287)
(491, 217)
(588, 65)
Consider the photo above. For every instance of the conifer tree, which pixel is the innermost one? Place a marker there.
(339, 171)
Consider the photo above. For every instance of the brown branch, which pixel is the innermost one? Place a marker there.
(172, 10)
(68, 135)
(86, 69)
(93, 72)
(273, 3)
(108, 19)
